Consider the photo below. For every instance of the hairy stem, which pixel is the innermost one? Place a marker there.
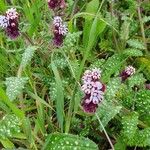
(104, 131)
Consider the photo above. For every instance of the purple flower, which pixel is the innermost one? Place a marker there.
(53, 4)
(57, 21)
(4, 21)
(12, 14)
(93, 90)
(12, 29)
(129, 71)
(60, 30)
(58, 39)
(62, 4)
(10, 23)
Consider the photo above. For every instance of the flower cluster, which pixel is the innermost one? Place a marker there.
(129, 71)
(53, 4)
(93, 90)
(60, 30)
(10, 23)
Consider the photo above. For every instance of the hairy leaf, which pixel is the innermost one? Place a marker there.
(143, 102)
(112, 88)
(111, 65)
(9, 125)
(68, 142)
(134, 43)
(27, 55)
(14, 86)
(59, 97)
(130, 52)
(107, 111)
(129, 123)
(136, 80)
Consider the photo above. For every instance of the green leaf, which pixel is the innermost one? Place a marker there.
(27, 127)
(130, 52)
(107, 111)
(129, 123)
(112, 88)
(27, 55)
(9, 125)
(2, 5)
(146, 19)
(143, 102)
(68, 142)
(33, 15)
(14, 86)
(40, 100)
(7, 143)
(133, 136)
(120, 145)
(124, 34)
(60, 96)
(15, 110)
(111, 65)
(92, 8)
(134, 43)
(144, 62)
(142, 138)
(91, 28)
(136, 80)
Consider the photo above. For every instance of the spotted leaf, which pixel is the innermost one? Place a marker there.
(14, 86)
(60, 141)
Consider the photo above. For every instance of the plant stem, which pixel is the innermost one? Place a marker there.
(70, 110)
(19, 73)
(104, 131)
(113, 31)
(73, 9)
(27, 38)
(142, 26)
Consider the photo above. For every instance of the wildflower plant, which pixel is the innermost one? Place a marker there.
(60, 30)
(93, 90)
(10, 23)
(56, 4)
(78, 78)
(129, 71)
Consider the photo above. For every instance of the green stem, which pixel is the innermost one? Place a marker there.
(142, 26)
(104, 131)
(73, 9)
(113, 31)
(70, 110)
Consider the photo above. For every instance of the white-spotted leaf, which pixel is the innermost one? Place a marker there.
(27, 55)
(14, 86)
(61, 141)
